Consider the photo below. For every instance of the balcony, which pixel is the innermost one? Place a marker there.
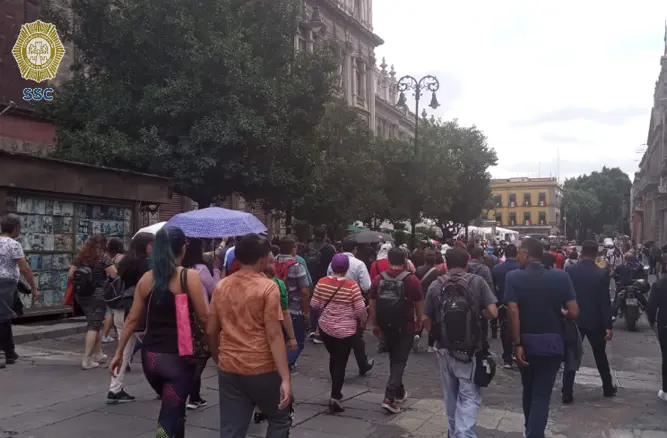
(648, 183)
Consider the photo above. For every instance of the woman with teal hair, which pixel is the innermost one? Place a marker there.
(168, 372)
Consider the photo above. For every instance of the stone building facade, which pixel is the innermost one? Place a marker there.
(649, 188)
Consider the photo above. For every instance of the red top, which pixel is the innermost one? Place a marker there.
(378, 267)
(560, 260)
(413, 292)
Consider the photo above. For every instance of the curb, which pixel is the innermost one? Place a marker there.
(23, 338)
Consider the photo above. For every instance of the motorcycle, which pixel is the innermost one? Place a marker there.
(632, 301)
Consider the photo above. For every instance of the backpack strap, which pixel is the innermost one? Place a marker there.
(385, 276)
(427, 274)
(402, 276)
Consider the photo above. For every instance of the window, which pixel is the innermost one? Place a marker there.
(526, 199)
(512, 199)
(499, 219)
(542, 220)
(360, 80)
(542, 199)
(526, 218)
(498, 200)
(512, 219)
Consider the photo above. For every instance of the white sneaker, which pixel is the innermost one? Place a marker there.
(430, 350)
(107, 339)
(89, 364)
(662, 395)
(100, 358)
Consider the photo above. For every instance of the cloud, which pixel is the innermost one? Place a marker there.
(612, 117)
(554, 137)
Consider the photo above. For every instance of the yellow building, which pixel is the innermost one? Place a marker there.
(530, 206)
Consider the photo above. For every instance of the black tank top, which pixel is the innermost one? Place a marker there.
(161, 333)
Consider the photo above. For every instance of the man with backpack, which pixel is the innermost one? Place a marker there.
(298, 290)
(396, 305)
(457, 304)
(319, 254)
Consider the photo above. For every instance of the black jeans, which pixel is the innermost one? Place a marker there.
(538, 380)
(359, 348)
(339, 352)
(598, 345)
(662, 338)
(505, 336)
(239, 394)
(399, 345)
(7, 338)
(196, 386)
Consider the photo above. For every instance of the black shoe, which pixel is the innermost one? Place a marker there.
(369, 366)
(610, 392)
(121, 397)
(196, 404)
(568, 398)
(258, 417)
(335, 406)
(11, 358)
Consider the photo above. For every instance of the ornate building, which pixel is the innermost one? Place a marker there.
(649, 188)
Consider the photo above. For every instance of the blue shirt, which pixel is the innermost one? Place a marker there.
(541, 293)
(499, 272)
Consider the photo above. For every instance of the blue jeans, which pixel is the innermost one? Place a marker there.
(538, 380)
(300, 335)
(462, 397)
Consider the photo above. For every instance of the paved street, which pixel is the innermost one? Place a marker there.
(46, 395)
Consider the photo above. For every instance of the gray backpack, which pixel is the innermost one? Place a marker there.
(460, 329)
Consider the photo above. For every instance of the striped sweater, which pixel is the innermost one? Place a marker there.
(346, 311)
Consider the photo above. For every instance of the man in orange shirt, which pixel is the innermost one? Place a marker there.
(246, 339)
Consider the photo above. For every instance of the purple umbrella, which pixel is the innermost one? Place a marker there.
(214, 222)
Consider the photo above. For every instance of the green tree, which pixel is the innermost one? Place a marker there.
(211, 94)
(582, 208)
(469, 157)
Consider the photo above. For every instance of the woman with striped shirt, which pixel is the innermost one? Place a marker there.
(342, 311)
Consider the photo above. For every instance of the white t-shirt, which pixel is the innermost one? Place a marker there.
(10, 253)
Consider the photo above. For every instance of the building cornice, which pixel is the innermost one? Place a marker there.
(407, 118)
(333, 7)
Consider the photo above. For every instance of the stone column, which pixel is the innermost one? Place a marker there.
(370, 91)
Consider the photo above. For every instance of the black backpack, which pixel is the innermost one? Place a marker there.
(116, 295)
(392, 306)
(312, 258)
(460, 330)
(83, 283)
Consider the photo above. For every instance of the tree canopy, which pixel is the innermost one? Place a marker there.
(596, 203)
(211, 94)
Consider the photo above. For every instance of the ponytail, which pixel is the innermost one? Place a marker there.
(168, 241)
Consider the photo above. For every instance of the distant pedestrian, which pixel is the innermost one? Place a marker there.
(591, 285)
(536, 297)
(453, 309)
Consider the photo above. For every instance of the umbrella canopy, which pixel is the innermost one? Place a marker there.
(367, 236)
(152, 229)
(215, 222)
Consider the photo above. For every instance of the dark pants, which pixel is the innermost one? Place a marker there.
(538, 380)
(7, 339)
(399, 345)
(196, 386)
(598, 345)
(300, 335)
(662, 338)
(505, 335)
(431, 338)
(359, 348)
(339, 352)
(239, 394)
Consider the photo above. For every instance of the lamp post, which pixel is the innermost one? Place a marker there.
(427, 83)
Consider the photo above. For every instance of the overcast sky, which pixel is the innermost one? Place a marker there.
(536, 77)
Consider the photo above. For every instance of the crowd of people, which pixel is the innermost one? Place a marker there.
(251, 305)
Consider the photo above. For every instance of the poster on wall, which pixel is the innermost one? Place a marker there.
(52, 231)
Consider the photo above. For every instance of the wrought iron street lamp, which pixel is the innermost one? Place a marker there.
(425, 84)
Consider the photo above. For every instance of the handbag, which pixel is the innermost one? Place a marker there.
(485, 369)
(17, 305)
(23, 287)
(197, 333)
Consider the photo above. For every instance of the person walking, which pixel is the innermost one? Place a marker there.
(12, 264)
(427, 274)
(459, 340)
(342, 311)
(396, 305)
(155, 296)
(130, 269)
(591, 285)
(246, 340)
(499, 275)
(656, 313)
(357, 272)
(536, 297)
(90, 270)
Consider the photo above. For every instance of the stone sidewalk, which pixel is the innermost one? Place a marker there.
(50, 397)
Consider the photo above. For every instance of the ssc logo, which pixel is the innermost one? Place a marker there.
(38, 51)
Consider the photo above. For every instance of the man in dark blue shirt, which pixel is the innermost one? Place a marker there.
(535, 297)
(498, 274)
(591, 284)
